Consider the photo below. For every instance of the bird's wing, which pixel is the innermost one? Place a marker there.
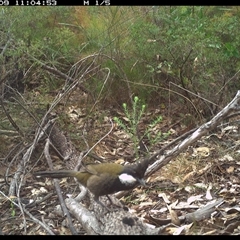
(89, 169)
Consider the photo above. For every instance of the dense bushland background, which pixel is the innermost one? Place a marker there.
(186, 55)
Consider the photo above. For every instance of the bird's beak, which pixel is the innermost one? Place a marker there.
(142, 182)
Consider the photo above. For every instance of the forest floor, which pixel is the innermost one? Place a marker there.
(207, 171)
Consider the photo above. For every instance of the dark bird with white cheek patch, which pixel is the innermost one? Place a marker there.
(104, 178)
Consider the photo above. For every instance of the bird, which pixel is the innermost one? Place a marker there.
(104, 178)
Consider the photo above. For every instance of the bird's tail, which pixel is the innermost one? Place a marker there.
(55, 174)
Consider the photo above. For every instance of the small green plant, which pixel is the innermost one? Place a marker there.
(13, 212)
(131, 127)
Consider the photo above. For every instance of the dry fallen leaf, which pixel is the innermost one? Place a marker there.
(165, 198)
(230, 169)
(208, 193)
(201, 152)
(194, 198)
(174, 216)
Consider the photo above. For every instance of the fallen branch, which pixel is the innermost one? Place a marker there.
(233, 106)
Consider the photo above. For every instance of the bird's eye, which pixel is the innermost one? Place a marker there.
(133, 171)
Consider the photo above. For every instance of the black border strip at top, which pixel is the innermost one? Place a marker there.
(84, 3)
(68, 3)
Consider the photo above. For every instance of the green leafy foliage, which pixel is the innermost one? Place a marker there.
(193, 47)
(13, 212)
(133, 118)
(131, 127)
(145, 48)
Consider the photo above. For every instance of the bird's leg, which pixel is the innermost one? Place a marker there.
(110, 200)
(96, 199)
(115, 204)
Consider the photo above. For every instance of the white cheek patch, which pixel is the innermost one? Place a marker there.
(127, 179)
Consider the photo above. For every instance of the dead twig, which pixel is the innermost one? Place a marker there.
(58, 190)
